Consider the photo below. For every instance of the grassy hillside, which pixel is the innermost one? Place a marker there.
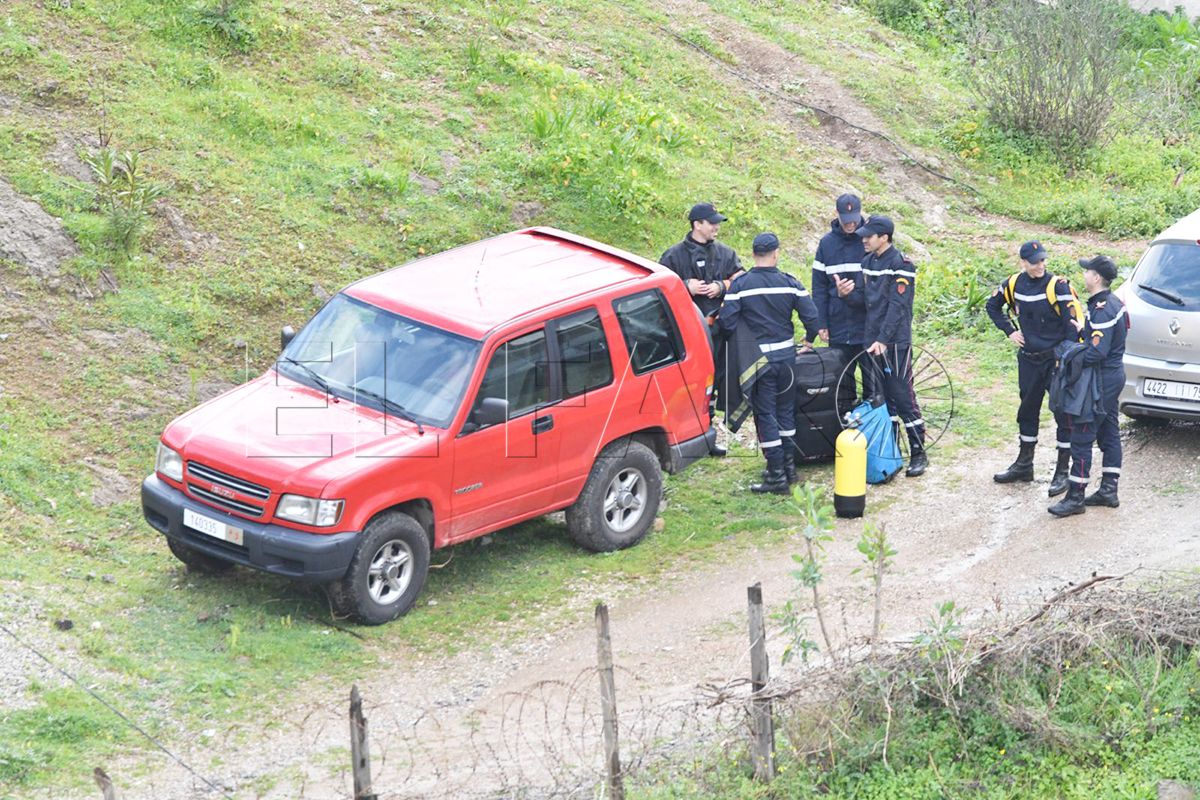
(302, 145)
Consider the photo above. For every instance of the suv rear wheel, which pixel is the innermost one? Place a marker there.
(195, 560)
(620, 500)
(386, 573)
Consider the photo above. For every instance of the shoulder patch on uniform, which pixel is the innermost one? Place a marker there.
(1101, 304)
(901, 280)
(900, 287)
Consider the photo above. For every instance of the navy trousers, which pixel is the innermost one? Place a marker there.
(773, 398)
(1103, 431)
(894, 371)
(1034, 372)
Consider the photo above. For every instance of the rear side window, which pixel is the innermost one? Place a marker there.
(650, 331)
(1169, 273)
(583, 350)
(517, 373)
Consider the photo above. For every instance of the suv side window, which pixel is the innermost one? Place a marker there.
(649, 330)
(517, 373)
(583, 352)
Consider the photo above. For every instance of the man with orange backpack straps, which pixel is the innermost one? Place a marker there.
(1035, 309)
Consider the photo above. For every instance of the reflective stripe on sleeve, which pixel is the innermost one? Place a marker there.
(767, 348)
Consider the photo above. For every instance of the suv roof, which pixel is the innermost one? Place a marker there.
(1186, 229)
(476, 287)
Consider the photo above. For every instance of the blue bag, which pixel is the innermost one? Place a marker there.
(883, 454)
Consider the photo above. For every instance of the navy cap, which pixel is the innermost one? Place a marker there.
(877, 224)
(765, 243)
(1033, 252)
(1103, 266)
(706, 212)
(849, 209)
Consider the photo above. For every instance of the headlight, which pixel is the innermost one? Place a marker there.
(310, 510)
(169, 463)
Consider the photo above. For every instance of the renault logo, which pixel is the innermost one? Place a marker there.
(1173, 327)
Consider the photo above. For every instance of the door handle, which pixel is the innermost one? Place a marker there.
(543, 424)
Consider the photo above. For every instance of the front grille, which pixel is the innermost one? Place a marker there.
(252, 491)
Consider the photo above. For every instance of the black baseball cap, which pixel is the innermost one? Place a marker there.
(877, 224)
(706, 212)
(1103, 266)
(1033, 252)
(765, 243)
(849, 209)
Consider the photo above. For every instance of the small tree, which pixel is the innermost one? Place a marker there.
(122, 193)
(1049, 69)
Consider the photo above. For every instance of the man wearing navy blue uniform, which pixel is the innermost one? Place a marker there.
(837, 283)
(1104, 334)
(706, 268)
(890, 280)
(1040, 307)
(763, 300)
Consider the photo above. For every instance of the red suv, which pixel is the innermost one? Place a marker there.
(439, 401)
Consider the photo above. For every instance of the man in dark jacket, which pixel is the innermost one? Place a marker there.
(1034, 309)
(837, 284)
(1104, 334)
(706, 267)
(762, 301)
(890, 280)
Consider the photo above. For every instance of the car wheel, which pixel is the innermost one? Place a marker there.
(197, 561)
(386, 573)
(620, 500)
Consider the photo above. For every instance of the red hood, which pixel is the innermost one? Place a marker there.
(291, 437)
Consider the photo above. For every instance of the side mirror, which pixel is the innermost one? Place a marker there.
(285, 337)
(490, 411)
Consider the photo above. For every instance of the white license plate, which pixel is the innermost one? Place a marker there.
(212, 527)
(1171, 390)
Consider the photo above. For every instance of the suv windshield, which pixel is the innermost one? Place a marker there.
(361, 352)
(1168, 276)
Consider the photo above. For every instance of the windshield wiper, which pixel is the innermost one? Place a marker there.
(311, 373)
(1174, 298)
(392, 406)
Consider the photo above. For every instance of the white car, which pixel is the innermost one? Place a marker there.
(1162, 351)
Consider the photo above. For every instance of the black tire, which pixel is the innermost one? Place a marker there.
(603, 529)
(386, 573)
(197, 561)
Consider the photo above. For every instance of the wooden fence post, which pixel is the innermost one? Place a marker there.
(105, 783)
(608, 703)
(762, 726)
(360, 750)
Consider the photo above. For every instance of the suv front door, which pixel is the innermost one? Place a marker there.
(506, 470)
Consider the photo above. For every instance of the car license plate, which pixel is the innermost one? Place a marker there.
(1172, 390)
(211, 527)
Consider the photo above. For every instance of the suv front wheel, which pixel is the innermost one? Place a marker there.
(620, 500)
(386, 573)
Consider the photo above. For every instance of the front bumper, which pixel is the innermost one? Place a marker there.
(692, 450)
(315, 557)
(1134, 401)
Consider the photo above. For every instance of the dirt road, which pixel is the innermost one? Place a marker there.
(491, 720)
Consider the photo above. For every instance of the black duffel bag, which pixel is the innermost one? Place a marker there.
(819, 404)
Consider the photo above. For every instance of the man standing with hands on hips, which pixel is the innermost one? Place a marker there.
(890, 284)
(762, 301)
(1041, 308)
(837, 284)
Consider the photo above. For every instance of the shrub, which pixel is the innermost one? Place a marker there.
(123, 194)
(1051, 71)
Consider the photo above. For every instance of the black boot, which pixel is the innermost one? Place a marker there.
(1106, 495)
(775, 483)
(789, 467)
(1022, 468)
(1071, 504)
(1058, 483)
(918, 462)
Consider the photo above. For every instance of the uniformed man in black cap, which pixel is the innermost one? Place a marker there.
(1034, 309)
(890, 285)
(763, 300)
(837, 284)
(706, 267)
(1104, 334)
